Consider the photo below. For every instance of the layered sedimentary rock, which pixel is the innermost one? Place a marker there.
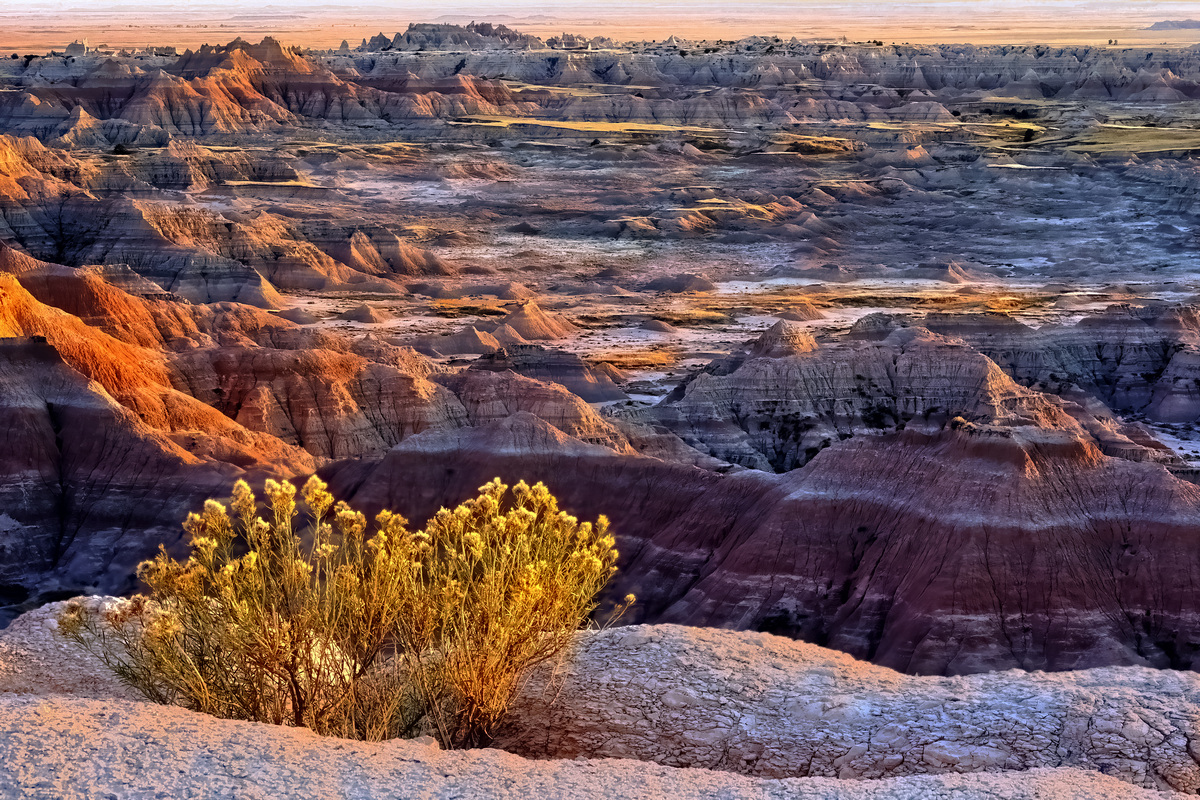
(777, 404)
(124, 411)
(217, 90)
(332, 404)
(491, 397)
(553, 366)
(476, 36)
(421, 75)
(469, 341)
(70, 226)
(201, 254)
(801, 311)
(141, 149)
(957, 550)
(105, 453)
(138, 378)
(364, 313)
(88, 487)
(531, 323)
(1133, 358)
(182, 246)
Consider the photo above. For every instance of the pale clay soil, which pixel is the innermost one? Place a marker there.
(67, 730)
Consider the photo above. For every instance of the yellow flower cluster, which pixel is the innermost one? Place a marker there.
(357, 632)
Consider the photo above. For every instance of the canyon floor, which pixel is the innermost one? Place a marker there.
(892, 350)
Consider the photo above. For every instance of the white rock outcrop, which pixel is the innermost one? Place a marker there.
(764, 705)
(728, 702)
(60, 748)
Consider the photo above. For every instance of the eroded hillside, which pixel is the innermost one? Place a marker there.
(891, 349)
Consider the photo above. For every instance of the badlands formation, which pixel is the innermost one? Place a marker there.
(890, 350)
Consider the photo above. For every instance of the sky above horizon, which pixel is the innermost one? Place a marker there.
(489, 9)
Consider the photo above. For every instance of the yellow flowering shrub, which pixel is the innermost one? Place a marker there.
(357, 632)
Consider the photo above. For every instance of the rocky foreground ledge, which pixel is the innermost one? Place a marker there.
(64, 748)
(684, 697)
(764, 705)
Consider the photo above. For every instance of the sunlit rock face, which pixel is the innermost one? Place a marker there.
(88, 487)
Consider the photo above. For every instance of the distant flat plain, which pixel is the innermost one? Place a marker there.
(38, 27)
